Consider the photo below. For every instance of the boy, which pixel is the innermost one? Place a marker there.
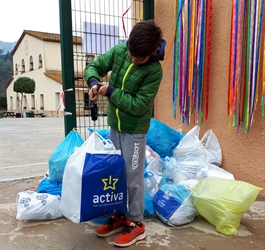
(134, 82)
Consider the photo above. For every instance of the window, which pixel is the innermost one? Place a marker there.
(41, 102)
(32, 102)
(11, 103)
(22, 66)
(57, 102)
(40, 61)
(30, 63)
(16, 69)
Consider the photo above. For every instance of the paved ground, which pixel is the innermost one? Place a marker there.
(25, 147)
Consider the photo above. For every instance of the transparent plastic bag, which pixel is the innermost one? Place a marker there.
(154, 172)
(223, 202)
(179, 171)
(150, 154)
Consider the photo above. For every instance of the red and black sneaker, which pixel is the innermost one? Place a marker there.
(131, 233)
(113, 225)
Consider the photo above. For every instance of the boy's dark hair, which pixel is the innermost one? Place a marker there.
(144, 38)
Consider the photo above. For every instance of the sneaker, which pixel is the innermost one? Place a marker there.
(131, 233)
(112, 226)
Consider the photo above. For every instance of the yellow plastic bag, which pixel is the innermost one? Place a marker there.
(223, 202)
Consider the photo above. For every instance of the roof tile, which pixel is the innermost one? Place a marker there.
(48, 37)
(57, 76)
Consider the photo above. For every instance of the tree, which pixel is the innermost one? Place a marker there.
(24, 85)
(8, 57)
(6, 71)
(3, 103)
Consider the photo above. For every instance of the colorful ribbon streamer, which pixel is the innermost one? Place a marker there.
(192, 44)
(246, 29)
(123, 24)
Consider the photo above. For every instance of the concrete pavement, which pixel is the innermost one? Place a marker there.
(26, 145)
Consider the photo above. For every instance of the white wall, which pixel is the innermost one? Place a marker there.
(45, 86)
(52, 54)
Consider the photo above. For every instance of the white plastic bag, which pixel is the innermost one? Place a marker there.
(191, 148)
(180, 170)
(37, 206)
(212, 149)
(94, 181)
(205, 169)
(173, 205)
(189, 184)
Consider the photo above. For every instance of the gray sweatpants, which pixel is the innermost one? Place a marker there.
(132, 148)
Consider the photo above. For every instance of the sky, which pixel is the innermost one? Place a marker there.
(19, 15)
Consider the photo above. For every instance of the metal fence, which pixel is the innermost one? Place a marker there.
(100, 24)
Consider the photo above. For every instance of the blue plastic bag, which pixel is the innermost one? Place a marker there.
(162, 139)
(148, 206)
(61, 154)
(51, 187)
(105, 133)
(101, 220)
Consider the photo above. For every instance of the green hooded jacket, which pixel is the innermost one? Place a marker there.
(130, 106)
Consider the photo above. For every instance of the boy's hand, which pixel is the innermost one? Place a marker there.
(103, 89)
(93, 93)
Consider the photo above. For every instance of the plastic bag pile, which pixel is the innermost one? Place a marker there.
(186, 180)
(183, 178)
(43, 203)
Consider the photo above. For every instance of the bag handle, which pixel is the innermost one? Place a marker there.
(34, 189)
(105, 144)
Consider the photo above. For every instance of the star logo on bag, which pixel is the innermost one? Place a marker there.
(110, 183)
